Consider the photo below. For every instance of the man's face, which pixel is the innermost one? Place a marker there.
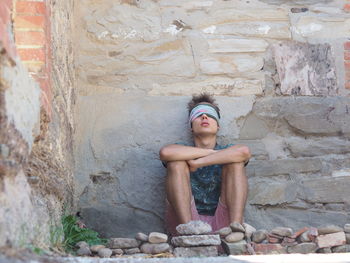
(204, 125)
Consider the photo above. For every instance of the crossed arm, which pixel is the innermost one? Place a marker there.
(199, 157)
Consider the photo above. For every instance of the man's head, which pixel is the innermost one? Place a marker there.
(204, 114)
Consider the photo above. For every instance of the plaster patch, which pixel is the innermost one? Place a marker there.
(209, 30)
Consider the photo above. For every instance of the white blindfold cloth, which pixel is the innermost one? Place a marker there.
(201, 109)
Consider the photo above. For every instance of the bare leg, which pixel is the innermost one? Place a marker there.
(234, 189)
(178, 188)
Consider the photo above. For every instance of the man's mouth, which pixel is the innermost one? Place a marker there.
(205, 124)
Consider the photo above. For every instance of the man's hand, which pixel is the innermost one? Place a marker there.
(192, 165)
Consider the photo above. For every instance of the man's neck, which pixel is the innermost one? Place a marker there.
(206, 142)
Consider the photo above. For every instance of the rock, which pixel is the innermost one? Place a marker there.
(156, 238)
(149, 248)
(331, 240)
(105, 253)
(81, 244)
(223, 232)
(96, 248)
(347, 236)
(84, 251)
(303, 248)
(237, 227)
(329, 229)
(304, 237)
(347, 228)
(131, 251)
(325, 250)
(234, 237)
(259, 236)
(239, 45)
(117, 251)
(290, 54)
(207, 251)
(282, 231)
(274, 240)
(299, 232)
(267, 249)
(192, 241)
(287, 241)
(299, 9)
(141, 237)
(341, 249)
(194, 228)
(237, 248)
(123, 243)
(249, 230)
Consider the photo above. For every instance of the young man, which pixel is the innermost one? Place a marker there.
(205, 181)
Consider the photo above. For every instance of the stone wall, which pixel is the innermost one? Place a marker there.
(36, 158)
(279, 71)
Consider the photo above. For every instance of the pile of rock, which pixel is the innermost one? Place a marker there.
(238, 239)
(141, 245)
(195, 240)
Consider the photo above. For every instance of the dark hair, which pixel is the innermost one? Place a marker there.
(202, 98)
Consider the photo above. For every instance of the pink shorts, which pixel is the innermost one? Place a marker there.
(219, 220)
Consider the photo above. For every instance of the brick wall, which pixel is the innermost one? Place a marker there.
(33, 40)
(347, 64)
(6, 36)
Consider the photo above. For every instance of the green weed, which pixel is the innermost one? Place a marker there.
(73, 234)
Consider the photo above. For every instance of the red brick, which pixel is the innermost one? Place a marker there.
(346, 7)
(29, 22)
(30, 7)
(346, 55)
(347, 85)
(32, 54)
(30, 38)
(347, 45)
(9, 3)
(331, 240)
(264, 249)
(5, 13)
(347, 65)
(35, 66)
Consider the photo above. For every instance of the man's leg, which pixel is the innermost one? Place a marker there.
(178, 188)
(234, 189)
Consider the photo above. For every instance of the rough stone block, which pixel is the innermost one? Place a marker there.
(237, 248)
(329, 229)
(194, 228)
(156, 238)
(237, 45)
(237, 227)
(282, 231)
(198, 240)
(231, 65)
(141, 237)
(225, 231)
(303, 248)
(249, 230)
(259, 236)
(267, 249)
(278, 30)
(327, 27)
(341, 249)
(123, 243)
(149, 248)
(234, 237)
(131, 251)
(230, 87)
(331, 240)
(306, 69)
(206, 251)
(347, 228)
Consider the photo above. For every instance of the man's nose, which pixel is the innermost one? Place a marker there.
(204, 116)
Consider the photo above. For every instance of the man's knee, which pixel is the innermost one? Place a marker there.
(178, 166)
(232, 167)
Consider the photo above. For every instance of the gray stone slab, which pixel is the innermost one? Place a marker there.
(237, 248)
(196, 240)
(206, 251)
(194, 228)
(303, 248)
(123, 243)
